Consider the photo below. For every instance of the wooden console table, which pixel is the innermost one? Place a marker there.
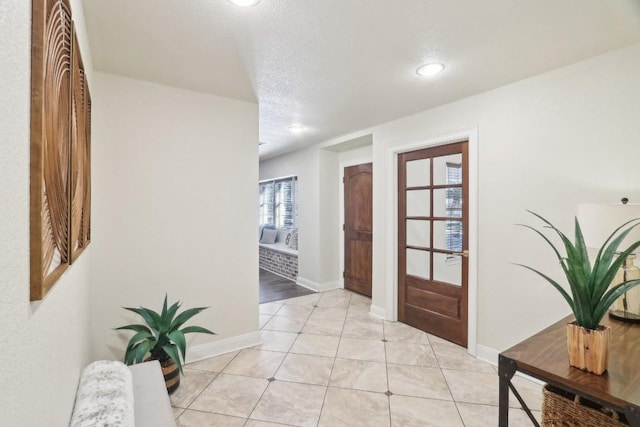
(544, 356)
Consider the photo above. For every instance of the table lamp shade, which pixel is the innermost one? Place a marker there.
(598, 221)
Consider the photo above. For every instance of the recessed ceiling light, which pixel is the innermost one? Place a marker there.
(429, 70)
(245, 3)
(296, 128)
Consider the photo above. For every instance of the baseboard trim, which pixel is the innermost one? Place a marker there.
(490, 355)
(226, 345)
(317, 287)
(487, 354)
(377, 311)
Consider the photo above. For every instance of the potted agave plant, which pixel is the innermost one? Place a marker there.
(590, 293)
(162, 338)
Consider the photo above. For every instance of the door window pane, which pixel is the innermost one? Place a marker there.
(447, 170)
(418, 233)
(447, 269)
(418, 263)
(418, 172)
(447, 202)
(418, 203)
(447, 235)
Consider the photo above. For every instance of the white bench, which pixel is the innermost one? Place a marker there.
(110, 391)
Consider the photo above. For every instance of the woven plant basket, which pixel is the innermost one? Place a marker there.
(564, 409)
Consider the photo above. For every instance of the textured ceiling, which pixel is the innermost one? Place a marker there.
(337, 66)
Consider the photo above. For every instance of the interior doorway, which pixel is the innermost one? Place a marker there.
(433, 243)
(358, 228)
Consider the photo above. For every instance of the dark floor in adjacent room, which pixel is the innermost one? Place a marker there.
(276, 288)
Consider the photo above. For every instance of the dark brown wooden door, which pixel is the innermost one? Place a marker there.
(432, 238)
(358, 227)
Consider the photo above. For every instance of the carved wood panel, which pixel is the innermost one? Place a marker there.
(60, 173)
(80, 156)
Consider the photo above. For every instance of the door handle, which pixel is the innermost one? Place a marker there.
(464, 253)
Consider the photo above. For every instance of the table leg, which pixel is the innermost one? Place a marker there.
(632, 413)
(506, 370)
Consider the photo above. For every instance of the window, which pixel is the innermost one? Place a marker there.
(279, 202)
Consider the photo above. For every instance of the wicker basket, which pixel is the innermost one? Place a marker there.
(564, 409)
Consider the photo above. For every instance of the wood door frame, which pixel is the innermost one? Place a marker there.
(341, 166)
(391, 202)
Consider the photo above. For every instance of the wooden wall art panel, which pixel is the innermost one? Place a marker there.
(80, 156)
(60, 178)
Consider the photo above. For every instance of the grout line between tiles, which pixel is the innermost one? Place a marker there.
(324, 398)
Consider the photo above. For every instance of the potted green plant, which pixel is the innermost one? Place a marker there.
(162, 338)
(590, 292)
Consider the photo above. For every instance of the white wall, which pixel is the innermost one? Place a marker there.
(546, 144)
(45, 345)
(175, 192)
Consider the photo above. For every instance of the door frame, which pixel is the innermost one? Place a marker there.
(391, 255)
(341, 166)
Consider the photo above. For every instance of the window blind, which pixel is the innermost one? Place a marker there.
(279, 202)
(454, 207)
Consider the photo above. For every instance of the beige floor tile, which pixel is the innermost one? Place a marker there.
(473, 387)
(213, 364)
(324, 327)
(369, 329)
(290, 403)
(177, 412)
(256, 423)
(276, 340)
(231, 395)
(360, 301)
(419, 412)
(418, 381)
(360, 313)
(192, 382)
(335, 299)
(270, 308)
(359, 375)
(372, 350)
(306, 369)
(530, 391)
(297, 311)
(255, 363)
(309, 300)
(437, 340)
(204, 419)
(316, 345)
(354, 408)
(396, 331)
(320, 313)
(485, 415)
(284, 324)
(263, 319)
(410, 353)
(456, 357)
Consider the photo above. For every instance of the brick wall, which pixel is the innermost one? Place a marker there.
(285, 265)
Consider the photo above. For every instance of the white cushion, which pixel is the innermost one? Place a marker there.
(104, 396)
(293, 239)
(269, 235)
(281, 234)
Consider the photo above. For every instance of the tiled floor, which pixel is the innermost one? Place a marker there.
(326, 362)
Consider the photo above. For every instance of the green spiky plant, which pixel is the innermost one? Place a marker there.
(589, 299)
(161, 336)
